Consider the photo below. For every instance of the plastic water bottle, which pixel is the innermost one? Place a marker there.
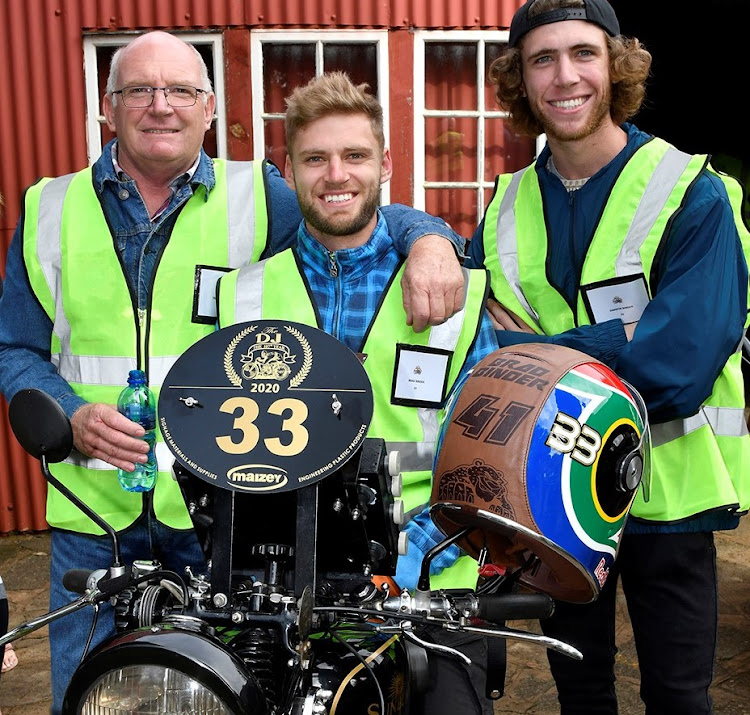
(138, 403)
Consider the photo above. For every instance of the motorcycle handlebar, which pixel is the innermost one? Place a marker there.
(493, 608)
(82, 580)
(514, 606)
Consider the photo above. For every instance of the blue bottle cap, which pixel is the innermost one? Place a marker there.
(136, 376)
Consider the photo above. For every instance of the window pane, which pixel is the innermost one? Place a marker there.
(492, 50)
(450, 149)
(286, 66)
(103, 58)
(358, 60)
(506, 151)
(457, 206)
(450, 75)
(275, 142)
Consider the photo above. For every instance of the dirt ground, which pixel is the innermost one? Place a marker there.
(529, 689)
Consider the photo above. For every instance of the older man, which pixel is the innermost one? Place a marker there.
(114, 268)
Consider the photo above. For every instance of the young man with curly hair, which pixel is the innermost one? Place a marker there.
(618, 244)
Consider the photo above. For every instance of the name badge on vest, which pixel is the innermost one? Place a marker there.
(205, 309)
(420, 376)
(624, 298)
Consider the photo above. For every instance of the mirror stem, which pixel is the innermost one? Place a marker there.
(116, 563)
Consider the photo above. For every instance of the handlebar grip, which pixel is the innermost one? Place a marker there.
(76, 580)
(514, 606)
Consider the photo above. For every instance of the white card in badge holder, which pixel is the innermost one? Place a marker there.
(624, 298)
(204, 293)
(420, 376)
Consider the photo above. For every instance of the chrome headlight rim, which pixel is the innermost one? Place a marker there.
(201, 657)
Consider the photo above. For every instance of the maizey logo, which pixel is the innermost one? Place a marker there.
(257, 477)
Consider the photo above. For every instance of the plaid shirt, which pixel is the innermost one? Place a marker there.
(347, 285)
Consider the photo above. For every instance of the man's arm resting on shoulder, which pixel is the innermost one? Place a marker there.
(432, 284)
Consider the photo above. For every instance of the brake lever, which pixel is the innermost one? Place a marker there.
(409, 634)
(90, 598)
(513, 634)
(102, 590)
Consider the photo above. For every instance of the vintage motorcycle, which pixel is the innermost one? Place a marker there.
(298, 514)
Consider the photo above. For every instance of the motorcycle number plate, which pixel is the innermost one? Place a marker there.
(265, 406)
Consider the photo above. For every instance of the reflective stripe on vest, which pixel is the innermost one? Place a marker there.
(662, 183)
(724, 422)
(98, 334)
(90, 369)
(49, 225)
(507, 244)
(248, 290)
(650, 188)
(415, 456)
(410, 430)
(164, 459)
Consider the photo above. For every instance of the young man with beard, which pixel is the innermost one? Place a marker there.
(342, 276)
(617, 244)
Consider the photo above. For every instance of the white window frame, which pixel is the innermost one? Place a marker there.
(481, 38)
(319, 38)
(94, 116)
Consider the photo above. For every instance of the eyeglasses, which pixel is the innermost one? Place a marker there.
(177, 95)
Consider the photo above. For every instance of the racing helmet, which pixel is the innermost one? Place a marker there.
(542, 451)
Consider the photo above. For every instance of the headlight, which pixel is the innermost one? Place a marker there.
(163, 670)
(151, 689)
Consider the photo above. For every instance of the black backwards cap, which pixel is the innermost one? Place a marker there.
(599, 12)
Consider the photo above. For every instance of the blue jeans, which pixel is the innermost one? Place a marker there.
(146, 539)
(670, 585)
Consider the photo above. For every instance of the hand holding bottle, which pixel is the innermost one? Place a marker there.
(100, 431)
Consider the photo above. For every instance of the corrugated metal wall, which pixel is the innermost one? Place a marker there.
(42, 130)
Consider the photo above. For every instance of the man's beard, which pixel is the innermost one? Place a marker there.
(341, 226)
(559, 132)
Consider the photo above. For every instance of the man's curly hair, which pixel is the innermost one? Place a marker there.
(629, 66)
